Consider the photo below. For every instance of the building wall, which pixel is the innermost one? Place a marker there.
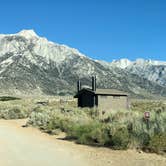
(86, 100)
(108, 103)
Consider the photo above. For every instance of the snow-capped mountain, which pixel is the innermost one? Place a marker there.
(124, 63)
(152, 70)
(30, 64)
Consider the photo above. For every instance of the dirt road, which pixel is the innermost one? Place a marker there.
(29, 147)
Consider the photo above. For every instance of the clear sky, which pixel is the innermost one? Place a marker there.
(101, 29)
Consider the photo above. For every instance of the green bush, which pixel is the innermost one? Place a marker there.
(56, 119)
(158, 143)
(120, 139)
(93, 133)
(59, 122)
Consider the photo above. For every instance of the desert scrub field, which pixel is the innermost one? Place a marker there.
(15, 108)
(21, 107)
(120, 129)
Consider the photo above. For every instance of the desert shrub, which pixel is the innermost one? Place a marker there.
(120, 138)
(38, 109)
(15, 108)
(93, 133)
(158, 143)
(148, 106)
(120, 129)
(39, 118)
(139, 131)
(143, 140)
(59, 122)
(14, 113)
(8, 98)
(50, 119)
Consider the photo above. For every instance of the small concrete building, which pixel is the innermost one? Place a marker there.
(105, 99)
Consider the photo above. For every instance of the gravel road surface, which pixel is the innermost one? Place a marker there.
(30, 147)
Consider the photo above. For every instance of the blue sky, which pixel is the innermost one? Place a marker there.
(101, 29)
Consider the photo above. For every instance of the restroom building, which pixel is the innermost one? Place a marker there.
(106, 99)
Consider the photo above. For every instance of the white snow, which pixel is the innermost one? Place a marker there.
(125, 63)
(28, 33)
(41, 46)
(122, 63)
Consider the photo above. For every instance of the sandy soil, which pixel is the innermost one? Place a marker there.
(30, 147)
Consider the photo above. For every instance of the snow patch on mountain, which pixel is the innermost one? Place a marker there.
(27, 42)
(122, 63)
(27, 34)
(125, 63)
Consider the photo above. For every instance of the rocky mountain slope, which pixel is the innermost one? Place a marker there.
(30, 64)
(154, 71)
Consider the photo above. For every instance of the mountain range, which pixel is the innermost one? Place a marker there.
(32, 65)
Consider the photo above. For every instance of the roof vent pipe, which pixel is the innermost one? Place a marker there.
(94, 83)
(78, 85)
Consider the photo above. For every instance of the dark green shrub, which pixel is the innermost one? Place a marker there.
(8, 98)
(93, 133)
(144, 139)
(58, 122)
(120, 139)
(158, 143)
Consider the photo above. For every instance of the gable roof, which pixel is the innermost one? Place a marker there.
(110, 92)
